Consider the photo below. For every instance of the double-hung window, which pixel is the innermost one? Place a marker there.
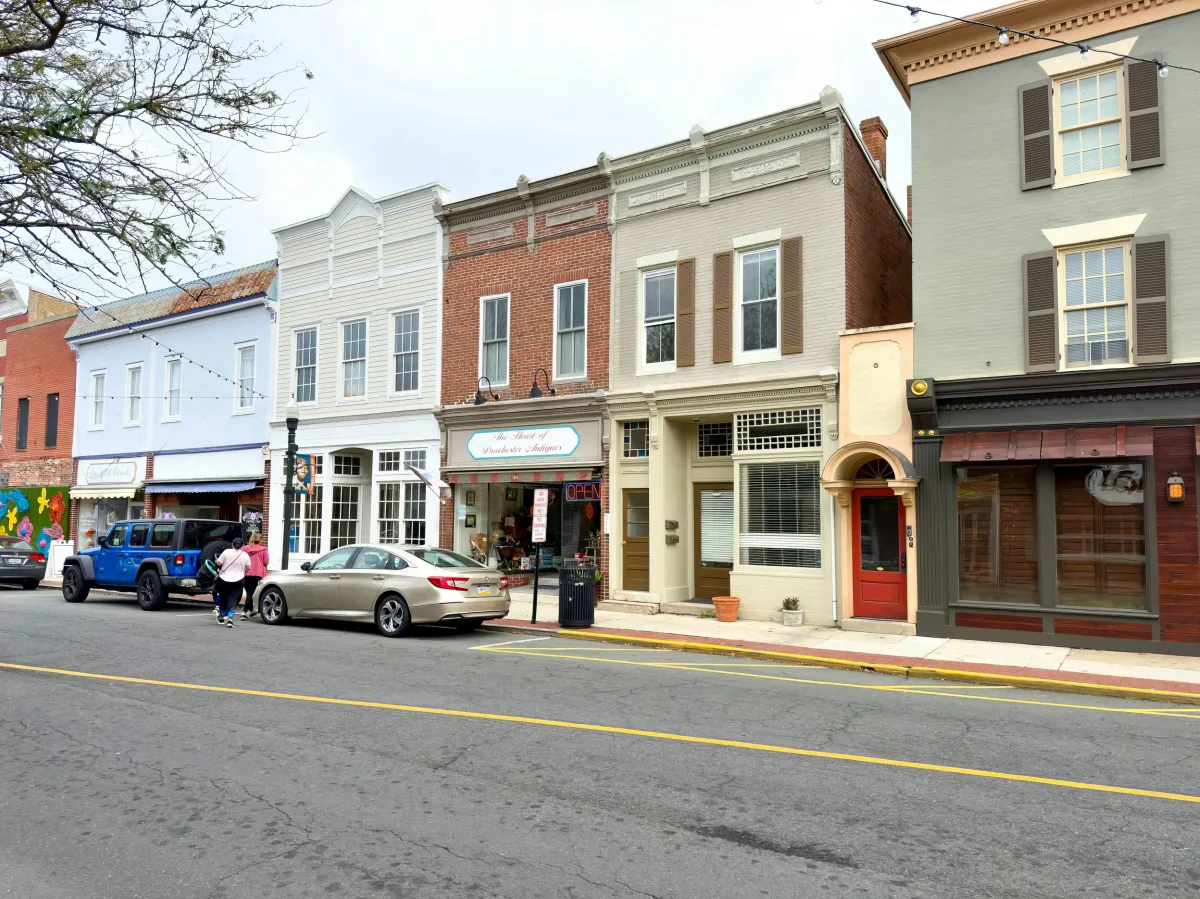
(570, 340)
(173, 382)
(354, 359)
(133, 395)
(759, 300)
(96, 413)
(658, 316)
(1096, 300)
(306, 365)
(1088, 115)
(494, 345)
(406, 351)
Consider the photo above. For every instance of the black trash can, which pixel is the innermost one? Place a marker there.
(576, 594)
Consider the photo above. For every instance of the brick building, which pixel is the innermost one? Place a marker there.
(525, 335)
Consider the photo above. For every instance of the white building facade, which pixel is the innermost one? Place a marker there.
(359, 334)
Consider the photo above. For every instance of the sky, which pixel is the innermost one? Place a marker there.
(475, 93)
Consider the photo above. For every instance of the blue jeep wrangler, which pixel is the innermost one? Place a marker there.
(153, 558)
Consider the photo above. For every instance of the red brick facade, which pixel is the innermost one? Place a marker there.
(40, 364)
(878, 245)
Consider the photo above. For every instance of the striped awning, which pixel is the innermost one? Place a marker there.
(200, 486)
(509, 477)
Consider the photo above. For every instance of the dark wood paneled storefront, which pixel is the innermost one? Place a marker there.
(1048, 511)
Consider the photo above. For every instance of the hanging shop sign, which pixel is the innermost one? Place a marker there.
(523, 443)
(583, 492)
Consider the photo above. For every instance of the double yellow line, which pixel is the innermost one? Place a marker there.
(623, 731)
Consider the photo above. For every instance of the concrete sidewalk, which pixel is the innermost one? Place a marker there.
(1051, 667)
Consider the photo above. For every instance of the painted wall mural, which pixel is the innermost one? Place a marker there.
(37, 515)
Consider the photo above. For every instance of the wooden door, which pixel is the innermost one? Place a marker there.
(880, 556)
(635, 540)
(712, 539)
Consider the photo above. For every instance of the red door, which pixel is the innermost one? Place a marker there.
(880, 560)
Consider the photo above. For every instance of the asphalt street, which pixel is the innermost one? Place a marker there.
(149, 755)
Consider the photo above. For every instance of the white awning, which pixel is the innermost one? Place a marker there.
(117, 491)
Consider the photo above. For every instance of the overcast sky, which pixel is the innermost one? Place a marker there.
(476, 92)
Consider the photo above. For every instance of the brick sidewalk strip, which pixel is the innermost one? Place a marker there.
(901, 666)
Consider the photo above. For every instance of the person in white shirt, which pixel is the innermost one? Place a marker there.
(232, 566)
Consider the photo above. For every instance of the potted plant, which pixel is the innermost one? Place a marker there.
(726, 607)
(793, 615)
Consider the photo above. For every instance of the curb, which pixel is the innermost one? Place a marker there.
(914, 670)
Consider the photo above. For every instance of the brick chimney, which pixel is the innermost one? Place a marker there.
(874, 135)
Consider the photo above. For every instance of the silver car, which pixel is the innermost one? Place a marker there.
(394, 587)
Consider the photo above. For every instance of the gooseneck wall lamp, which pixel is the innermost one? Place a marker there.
(535, 391)
(480, 399)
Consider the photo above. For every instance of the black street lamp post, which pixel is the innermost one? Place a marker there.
(289, 473)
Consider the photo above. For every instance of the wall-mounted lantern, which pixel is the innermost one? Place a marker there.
(480, 399)
(535, 391)
(1175, 491)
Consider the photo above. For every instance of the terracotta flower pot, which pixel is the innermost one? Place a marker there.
(727, 607)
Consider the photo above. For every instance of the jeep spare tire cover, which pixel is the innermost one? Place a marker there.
(212, 550)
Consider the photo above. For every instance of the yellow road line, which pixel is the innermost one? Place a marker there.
(952, 674)
(626, 731)
(941, 691)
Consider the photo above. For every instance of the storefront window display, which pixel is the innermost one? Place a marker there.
(503, 523)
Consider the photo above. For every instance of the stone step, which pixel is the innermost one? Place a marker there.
(877, 626)
(631, 607)
(687, 608)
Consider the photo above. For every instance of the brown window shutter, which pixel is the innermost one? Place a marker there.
(685, 313)
(1144, 113)
(1037, 145)
(1041, 311)
(722, 307)
(792, 296)
(1151, 299)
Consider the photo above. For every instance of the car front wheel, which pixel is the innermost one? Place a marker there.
(392, 618)
(74, 588)
(272, 607)
(150, 593)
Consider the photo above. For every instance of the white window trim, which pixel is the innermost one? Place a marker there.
(392, 316)
(655, 268)
(342, 399)
(239, 409)
(741, 357)
(781, 571)
(554, 367)
(1060, 275)
(166, 412)
(316, 367)
(507, 337)
(1061, 180)
(92, 423)
(1074, 62)
(129, 369)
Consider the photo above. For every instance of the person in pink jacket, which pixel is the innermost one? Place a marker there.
(258, 570)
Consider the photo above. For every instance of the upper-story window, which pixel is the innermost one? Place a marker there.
(406, 351)
(758, 297)
(133, 395)
(96, 411)
(245, 377)
(1088, 117)
(306, 365)
(1096, 300)
(173, 384)
(658, 316)
(493, 362)
(354, 359)
(570, 339)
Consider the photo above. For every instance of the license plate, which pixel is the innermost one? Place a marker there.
(187, 582)
(15, 561)
(485, 591)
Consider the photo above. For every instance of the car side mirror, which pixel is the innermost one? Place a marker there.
(103, 541)
(307, 566)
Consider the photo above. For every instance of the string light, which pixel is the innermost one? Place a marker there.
(1005, 34)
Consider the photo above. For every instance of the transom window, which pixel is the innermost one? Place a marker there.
(1095, 293)
(415, 458)
(306, 365)
(571, 339)
(347, 465)
(1089, 123)
(790, 429)
(637, 439)
(389, 460)
(406, 351)
(494, 350)
(354, 359)
(760, 300)
(715, 439)
(658, 290)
